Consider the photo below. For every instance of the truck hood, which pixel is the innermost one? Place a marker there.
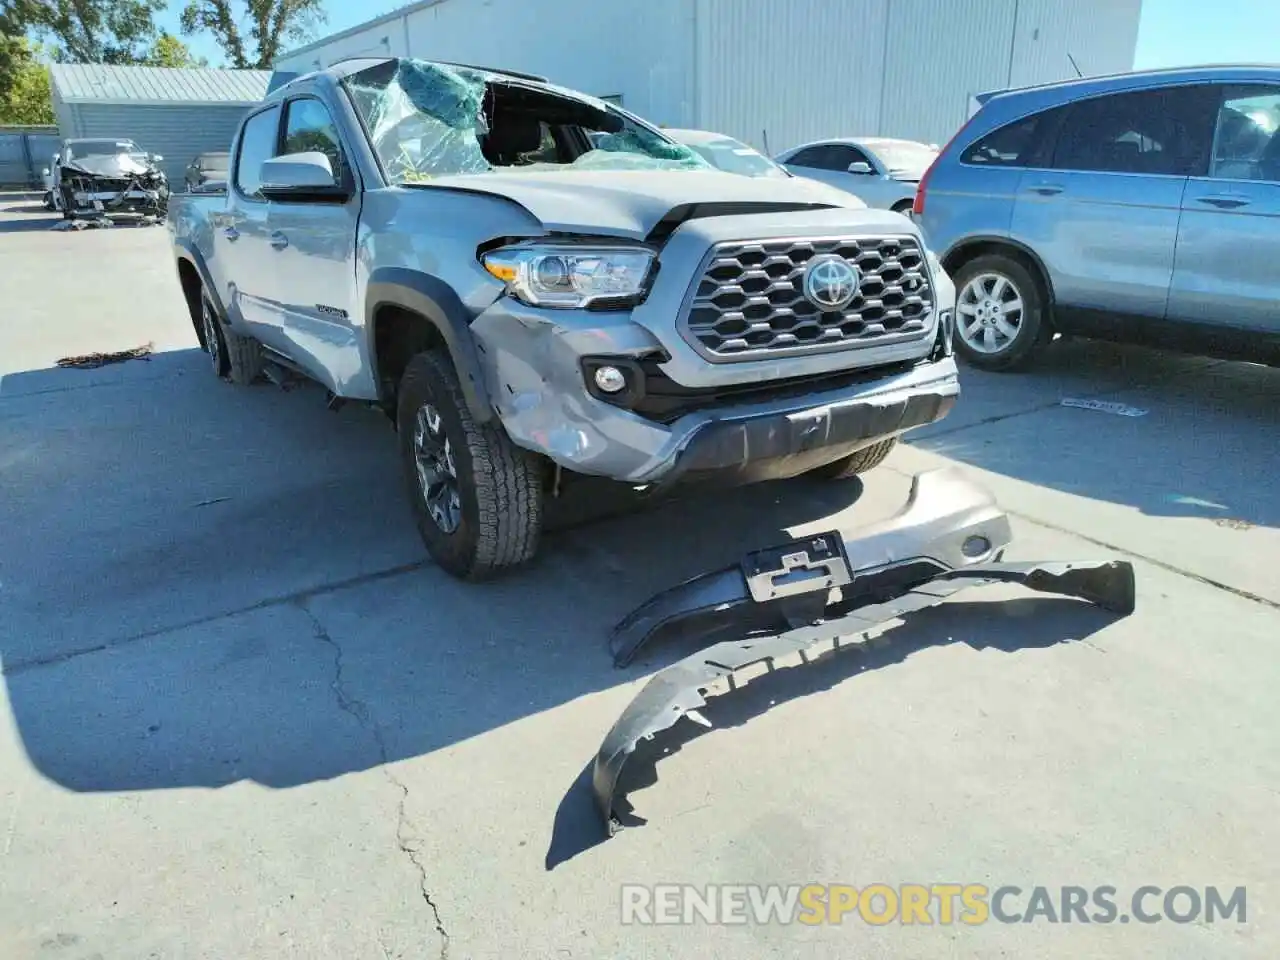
(632, 203)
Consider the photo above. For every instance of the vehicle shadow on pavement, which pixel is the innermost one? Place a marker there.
(1014, 625)
(1199, 450)
(234, 591)
(39, 219)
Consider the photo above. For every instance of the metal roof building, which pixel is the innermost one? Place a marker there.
(175, 113)
(774, 73)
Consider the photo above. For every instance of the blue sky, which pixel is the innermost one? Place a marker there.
(1178, 32)
(1172, 33)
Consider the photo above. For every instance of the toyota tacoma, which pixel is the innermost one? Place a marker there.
(536, 285)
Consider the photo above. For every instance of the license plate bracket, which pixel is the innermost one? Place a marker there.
(805, 565)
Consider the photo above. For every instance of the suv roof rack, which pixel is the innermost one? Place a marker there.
(450, 63)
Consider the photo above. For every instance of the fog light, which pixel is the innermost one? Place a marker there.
(976, 546)
(610, 379)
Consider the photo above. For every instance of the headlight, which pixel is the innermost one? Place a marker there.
(573, 275)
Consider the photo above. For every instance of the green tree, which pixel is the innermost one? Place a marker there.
(169, 51)
(91, 31)
(27, 99)
(268, 24)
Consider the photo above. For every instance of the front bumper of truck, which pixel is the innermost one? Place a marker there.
(787, 600)
(739, 432)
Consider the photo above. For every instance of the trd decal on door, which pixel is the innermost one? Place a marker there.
(332, 311)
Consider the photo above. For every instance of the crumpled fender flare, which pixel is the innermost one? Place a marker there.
(439, 305)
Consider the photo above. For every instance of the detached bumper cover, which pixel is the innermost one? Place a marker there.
(781, 601)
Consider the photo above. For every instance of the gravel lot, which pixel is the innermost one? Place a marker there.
(246, 718)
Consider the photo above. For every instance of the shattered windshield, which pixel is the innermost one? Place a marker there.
(906, 158)
(428, 120)
(101, 148)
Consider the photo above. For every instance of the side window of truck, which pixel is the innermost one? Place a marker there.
(309, 128)
(257, 146)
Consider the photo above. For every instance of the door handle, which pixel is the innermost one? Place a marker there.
(1224, 201)
(231, 233)
(279, 240)
(1046, 189)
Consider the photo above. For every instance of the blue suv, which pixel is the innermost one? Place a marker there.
(1141, 208)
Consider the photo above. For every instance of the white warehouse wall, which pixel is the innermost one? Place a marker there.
(637, 49)
(771, 72)
(786, 71)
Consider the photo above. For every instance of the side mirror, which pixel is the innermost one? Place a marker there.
(294, 176)
(156, 158)
(44, 172)
(860, 166)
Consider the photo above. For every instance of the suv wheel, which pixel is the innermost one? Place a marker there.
(1000, 314)
(857, 463)
(477, 497)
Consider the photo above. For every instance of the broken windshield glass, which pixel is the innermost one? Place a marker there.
(428, 120)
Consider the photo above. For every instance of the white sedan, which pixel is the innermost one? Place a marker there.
(880, 171)
(726, 153)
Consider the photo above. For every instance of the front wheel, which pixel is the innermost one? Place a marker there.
(477, 497)
(234, 358)
(1000, 314)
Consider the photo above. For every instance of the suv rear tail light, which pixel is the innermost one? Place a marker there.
(917, 206)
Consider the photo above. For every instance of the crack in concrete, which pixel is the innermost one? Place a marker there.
(360, 712)
(296, 598)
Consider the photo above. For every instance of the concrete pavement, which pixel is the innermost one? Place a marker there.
(244, 717)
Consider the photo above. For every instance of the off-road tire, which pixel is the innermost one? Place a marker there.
(243, 355)
(1034, 330)
(499, 485)
(857, 463)
(210, 325)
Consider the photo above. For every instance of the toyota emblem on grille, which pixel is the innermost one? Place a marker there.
(831, 283)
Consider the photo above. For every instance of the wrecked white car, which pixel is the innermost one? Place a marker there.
(537, 285)
(96, 178)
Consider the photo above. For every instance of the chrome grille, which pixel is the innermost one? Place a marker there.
(749, 299)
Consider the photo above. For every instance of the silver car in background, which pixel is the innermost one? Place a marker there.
(880, 171)
(1142, 208)
(727, 154)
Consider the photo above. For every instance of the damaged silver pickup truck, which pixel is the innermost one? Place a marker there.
(536, 285)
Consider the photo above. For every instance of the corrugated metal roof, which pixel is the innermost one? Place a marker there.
(87, 82)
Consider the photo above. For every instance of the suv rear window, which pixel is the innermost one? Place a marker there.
(1147, 132)
(1009, 146)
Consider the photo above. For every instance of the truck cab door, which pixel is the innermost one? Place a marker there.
(310, 255)
(242, 265)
